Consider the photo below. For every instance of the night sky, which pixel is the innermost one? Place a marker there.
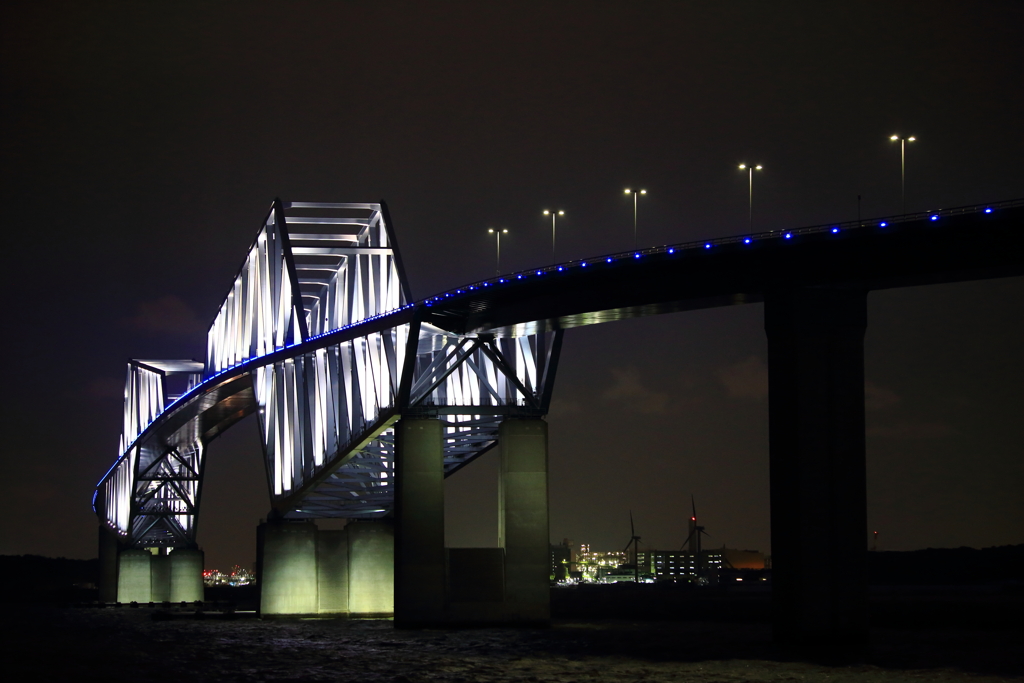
(142, 144)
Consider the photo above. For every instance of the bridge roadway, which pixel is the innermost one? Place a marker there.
(814, 283)
(932, 247)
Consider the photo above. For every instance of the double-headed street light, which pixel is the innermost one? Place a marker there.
(903, 166)
(750, 168)
(498, 233)
(553, 214)
(635, 193)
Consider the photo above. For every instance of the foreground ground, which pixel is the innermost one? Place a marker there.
(50, 643)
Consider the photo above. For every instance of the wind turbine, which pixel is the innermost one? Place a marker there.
(693, 540)
(634, 541)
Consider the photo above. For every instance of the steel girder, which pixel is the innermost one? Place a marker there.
(304, 338)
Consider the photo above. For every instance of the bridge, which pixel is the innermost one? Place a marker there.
(367, 399)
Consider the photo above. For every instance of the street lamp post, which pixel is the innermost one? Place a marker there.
(635, 193)
(553, 214)
(903, 167)
(750, 168)
(498, 233)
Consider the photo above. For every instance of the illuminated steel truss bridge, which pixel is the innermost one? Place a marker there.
(318, 335)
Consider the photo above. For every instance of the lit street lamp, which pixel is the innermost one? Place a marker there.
(750, 168)
(635, 193)
(552, 214)
(903, 167)
(498, 234)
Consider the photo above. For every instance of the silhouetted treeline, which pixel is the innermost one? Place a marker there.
(31, 578)
(946, 566)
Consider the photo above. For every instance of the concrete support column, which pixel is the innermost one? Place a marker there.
(419, 523)
(160, 577)
(286, 568)
(108, 564)
(816, 444)
(133, 576)
(332, 571)
(186, 575)
(523, 519)
(371, 567)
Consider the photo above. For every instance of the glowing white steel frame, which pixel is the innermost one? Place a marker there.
(151, 495)
(327, 410)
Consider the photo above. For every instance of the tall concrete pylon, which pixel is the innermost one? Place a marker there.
(817, 464)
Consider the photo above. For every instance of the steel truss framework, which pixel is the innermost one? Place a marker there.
(317, 335)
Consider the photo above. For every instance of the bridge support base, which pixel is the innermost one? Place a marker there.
(304, 571)
(134, 580)
(817, 468)
(185, 576)
(144, 577)
(371, 567)
(160, 578)
(523, 519)
(419, 528)
(435, 585)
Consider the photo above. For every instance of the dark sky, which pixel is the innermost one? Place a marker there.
(142, 144)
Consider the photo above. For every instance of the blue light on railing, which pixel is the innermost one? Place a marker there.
(835, 230)
(539, 273)
(882, 224)
(746, 241)
(671, 251)
(501, 280)
(608, 260)
(788, 235)
(708, 245)
(560, 268)
(636, 255)
(935, 218)
(584, 264)
(519, 277)
(988, 210)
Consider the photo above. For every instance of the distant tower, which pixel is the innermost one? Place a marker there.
(692, 549)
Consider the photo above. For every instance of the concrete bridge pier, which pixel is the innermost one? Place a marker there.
(523, 519)
(134, 576)
(817, 468)
(184, 575)
(461, 586)
(420, 566)
(144, 577)
(302, 570)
